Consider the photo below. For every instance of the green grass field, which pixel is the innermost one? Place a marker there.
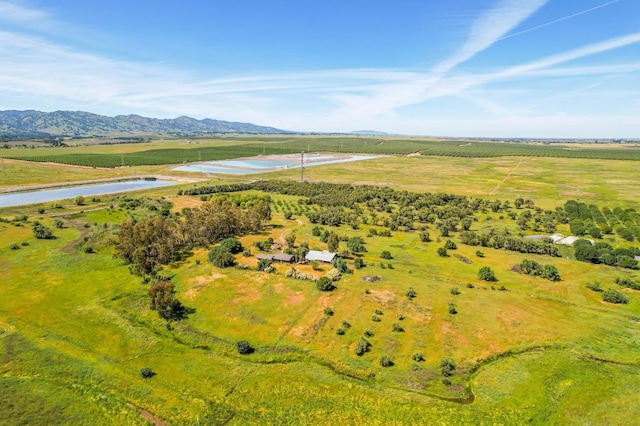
(75, 327)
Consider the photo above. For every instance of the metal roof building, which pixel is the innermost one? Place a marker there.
(322, 256)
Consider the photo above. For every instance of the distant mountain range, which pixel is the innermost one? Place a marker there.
(86, 124)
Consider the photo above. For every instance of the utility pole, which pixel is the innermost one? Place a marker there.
(302, 167)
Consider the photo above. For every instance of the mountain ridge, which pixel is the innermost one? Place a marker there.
(32, 123)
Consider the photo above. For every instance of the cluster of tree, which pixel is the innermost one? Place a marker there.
(611, 295)
(604, 253)
(149, 243)
(508, 242)
(589, 219)
(548, 272)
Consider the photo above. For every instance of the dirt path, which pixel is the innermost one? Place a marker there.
(506, 177)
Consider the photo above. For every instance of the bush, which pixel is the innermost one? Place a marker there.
(375, 318)
(14, 246)
(378, 312)
(614, 296)
(358, 263)
(447, 367)
(452, 309)
(345, 324)
(386, 255)
(594, 286)
(385, 361)
(397, 328)
(450, 245)
(454, 291)
(263, 264)
(368, 333)
(411, 293)
(362, 346)
(244, 347)
(146, 373)
(325, 284)
(328, 312)
(417, 357)
(89, 249)
(442, 252)
(486, 273)
(479, 253)
(425, 237)
(41, 232)
(340, 331)
(469, 285)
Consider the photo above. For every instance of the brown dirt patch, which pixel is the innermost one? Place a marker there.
(156, 421)
(383, 296)
(182, 201)
(201, 283)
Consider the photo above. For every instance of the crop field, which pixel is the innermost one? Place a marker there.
(76, 328)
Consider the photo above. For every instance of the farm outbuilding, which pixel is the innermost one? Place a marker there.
(278, 257)
(321, 256)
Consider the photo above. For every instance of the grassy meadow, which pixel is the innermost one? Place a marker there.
(76, 328)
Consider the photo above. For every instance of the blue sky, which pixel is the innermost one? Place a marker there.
(490, 68)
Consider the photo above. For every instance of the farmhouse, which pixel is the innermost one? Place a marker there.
(322, 256)
(278, 257)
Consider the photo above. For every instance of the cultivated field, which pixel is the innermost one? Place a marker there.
(76, 328)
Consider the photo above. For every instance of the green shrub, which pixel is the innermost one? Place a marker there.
(447, 366)
(397, 328)
(345, 324)
(452, 309)
(244, 347)
(594, 286)
(362, 346)
(454, 291)
(325, 284)
(385, 361)
(375, 318)
(386, 254)
(368, 333)
(14, 246)
(378, 312)
(417, 357)
(442, 252)
(340, 331)
(614, 296)
(358, 263)
(486, 273)
(450, 245)
(411, 293)
(479, 253)
(232, 245)
(41, 232)
(146, 373)
(221, 258)
(328, 312)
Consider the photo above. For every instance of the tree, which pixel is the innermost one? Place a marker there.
(411, 293)
(333, 242)
(425, 237)
(486, 273)
(291, 239)
(325, 284)
(362, 346)
(442, 252)
(79, 200)
(162, 295)
(358, 263)
(386, 254)
(550, 273)
(221, 258)
(232, 245)
(450, 245)
(356, 245)
(263, 264)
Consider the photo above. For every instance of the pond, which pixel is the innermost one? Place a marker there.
(251, 166)
(46, 195)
